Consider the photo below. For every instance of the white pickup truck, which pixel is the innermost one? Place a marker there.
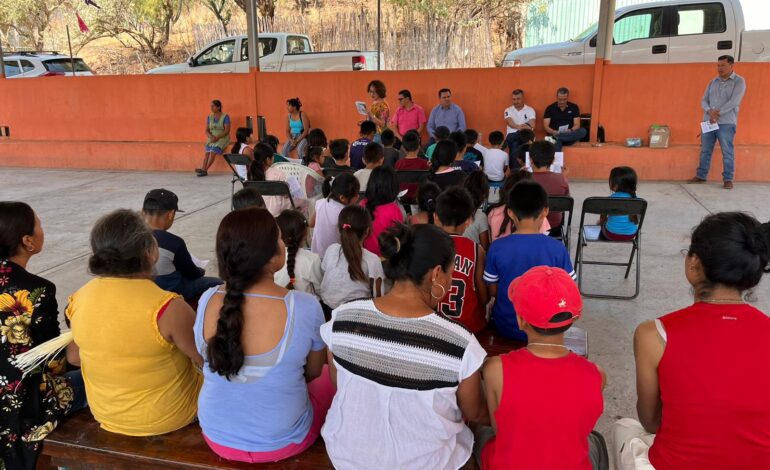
(278, 52)
(673, 31)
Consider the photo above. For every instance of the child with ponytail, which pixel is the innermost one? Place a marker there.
(265, 392)
(303, 267)
(338, 192)
(351, 271)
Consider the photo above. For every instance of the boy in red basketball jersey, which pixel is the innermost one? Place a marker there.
(466, 300)
(543, 395)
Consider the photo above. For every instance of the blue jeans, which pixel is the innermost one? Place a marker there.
(512, 142)
(300, 147)
(79, 401)
(725, 134)
(193, 288)
(569, 137)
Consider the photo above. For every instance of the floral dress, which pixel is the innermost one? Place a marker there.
(381, 111)
(30, 408)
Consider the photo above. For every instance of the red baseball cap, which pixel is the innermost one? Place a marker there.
(541, 293)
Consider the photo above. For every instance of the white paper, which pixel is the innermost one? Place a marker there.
(402, 193)
(706, 127)
(592, 232)
(564, 128)
(556, 166)
(361, 108)
(576, 341)
(201, 263)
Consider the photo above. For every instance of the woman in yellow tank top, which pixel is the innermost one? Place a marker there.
(133, 340)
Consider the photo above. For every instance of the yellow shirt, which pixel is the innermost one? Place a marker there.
(137, 383)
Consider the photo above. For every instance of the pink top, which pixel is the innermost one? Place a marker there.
(409, 119)
(714, 376)
(276, 204)
(495, 219)
(384, 216)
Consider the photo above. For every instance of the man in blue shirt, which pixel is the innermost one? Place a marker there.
(720, 104)
(511, 256)
(446, 114)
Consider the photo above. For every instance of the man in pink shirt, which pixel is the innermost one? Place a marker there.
(410, 116)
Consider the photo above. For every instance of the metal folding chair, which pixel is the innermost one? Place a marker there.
(335, 172)
(271, 188)
(410, 177)
(611, 206)
(565, 205)
(232, 160)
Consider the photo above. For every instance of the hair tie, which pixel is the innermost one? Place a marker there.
(344, 226)
(291, 280)
(398, 244)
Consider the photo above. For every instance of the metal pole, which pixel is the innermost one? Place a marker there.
(2, 62)
(379, 37)
(253, 35)
(72, 59)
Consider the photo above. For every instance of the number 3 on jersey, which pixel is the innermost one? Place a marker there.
(452, 305)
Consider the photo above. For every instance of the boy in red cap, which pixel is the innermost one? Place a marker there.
(543, 400)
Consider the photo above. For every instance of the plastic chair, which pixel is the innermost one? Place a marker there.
(565, 205)
(233, 160)
(611, 206)
(271, 188)
(302, 173)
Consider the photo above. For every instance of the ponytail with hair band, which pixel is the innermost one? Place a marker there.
(225, 353)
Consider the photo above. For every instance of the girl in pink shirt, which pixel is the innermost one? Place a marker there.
(381, 202)
(500, 223)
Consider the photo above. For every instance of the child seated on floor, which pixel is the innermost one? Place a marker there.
(511, 256)
(561, 400)
(496, 160)
(392, 155)
(340, 157)
(426, 203)
(382, 205)
(466, 300)
(460, 162)
(472, 153)
(620, 228)
(442, 133)
(357, 148)
(477, 185)
(338, 192)
(542, 154)
(262, 169)
(302, 270)
(373, 157)
(518, 156)
(175, 270)
(411, 161)
(351, 271)
(499, 222)
(265, 389)
(247, 197)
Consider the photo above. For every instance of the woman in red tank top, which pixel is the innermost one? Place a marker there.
(703, 372)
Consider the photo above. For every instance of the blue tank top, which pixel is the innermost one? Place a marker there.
(266, 406)
(296, 127)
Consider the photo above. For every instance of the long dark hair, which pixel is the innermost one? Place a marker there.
(354, 225)
(427, 195)
(623, 179)
(734, 250)
(17, 219)
(121, 242)
(241, 136)
(262, 154)
(444, 154)
(246, 241)
(293, 227)
(344, 184)
(381, 189)
(521, 175)
(311, 154)
(413, 250)
(477, 184)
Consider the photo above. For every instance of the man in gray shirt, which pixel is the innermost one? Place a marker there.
(721, 104)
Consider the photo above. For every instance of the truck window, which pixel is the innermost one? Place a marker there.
(640, 24)
(703, 18)
(266, 47)
(221, 53)
(297, 45)
(65, 65)
(11, 68)
(27, 66)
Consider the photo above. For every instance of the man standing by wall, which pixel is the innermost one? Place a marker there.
(445, 114)
(720, 104)
(518, 116)
(409, 116)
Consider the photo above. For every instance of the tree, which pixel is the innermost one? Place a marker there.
(28, 18)
(220, 9)
(265, 8)
(142, 25)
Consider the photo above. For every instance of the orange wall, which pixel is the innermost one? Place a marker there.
(482, 93)
(636, 96)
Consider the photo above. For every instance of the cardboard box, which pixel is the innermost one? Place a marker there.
(659, 136)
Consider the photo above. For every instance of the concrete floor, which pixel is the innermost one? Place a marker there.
(69, 201)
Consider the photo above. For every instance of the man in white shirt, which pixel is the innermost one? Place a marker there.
(518, 116)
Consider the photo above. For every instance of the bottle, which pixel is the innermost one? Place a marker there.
(600, 134)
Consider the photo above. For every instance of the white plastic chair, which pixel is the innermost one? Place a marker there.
(304, 174)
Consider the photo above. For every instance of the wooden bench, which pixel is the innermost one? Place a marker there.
(79, 443)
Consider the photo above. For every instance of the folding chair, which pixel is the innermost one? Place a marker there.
(565, 205)
(232, 160)
(335, 172)
(611, 206)
(271, 188)
(410, 177)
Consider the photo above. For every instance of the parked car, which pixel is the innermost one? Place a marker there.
(673, 31)
(24, 64)
(278, 52)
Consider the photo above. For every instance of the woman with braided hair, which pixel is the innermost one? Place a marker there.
(264, 396)
(303, 267)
